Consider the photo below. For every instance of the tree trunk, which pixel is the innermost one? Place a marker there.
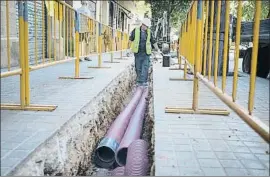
(168, 24)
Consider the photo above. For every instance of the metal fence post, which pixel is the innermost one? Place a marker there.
(205, 38)
(26, 55)
(121, 47)
(22, 57)
(8, 42)
(77, 60)
(197, 49)
(236, 52)
(179, 51)
(112, 46)
(226, 39)
(254, 59)
(211, 40)
(217, 42)
(99, 44)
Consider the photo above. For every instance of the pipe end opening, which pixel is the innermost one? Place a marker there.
(121, 157)
(105, 154)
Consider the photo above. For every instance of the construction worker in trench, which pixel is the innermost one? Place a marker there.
(142, 40)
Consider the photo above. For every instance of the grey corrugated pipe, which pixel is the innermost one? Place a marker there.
(137, 159)
(105, 152)
(133, 131)
(119, 171)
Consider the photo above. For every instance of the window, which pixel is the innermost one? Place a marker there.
(111, 14)
(122, 21)
(125, 22)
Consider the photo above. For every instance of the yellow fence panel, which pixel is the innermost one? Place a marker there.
(56, 33)
(193, 49)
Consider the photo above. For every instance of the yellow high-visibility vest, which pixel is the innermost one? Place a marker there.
(136, 42)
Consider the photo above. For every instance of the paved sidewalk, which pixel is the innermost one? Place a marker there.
(261, 108)
(22, 132)
(204, 145)
(261, 99)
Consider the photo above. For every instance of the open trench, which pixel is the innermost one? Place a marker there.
(70, 150)
(147, 133)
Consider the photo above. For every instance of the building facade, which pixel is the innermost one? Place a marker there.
(118, 14)
(49, 26)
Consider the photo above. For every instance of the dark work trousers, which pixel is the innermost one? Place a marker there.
(142, 63)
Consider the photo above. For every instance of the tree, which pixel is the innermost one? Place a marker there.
(143, 9)
(176, 11)
(179, 16)
(249, 9)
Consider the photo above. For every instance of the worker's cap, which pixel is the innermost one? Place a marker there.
(146, 22)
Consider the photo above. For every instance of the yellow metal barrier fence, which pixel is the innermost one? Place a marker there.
(194, 56)
(78, 26)
(25, 69)
(57, 34)
(103, 38)
(121, 43)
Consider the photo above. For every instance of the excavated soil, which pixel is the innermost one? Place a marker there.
(148, 127)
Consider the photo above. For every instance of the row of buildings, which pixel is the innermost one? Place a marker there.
(46, 25)
(117, 14)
